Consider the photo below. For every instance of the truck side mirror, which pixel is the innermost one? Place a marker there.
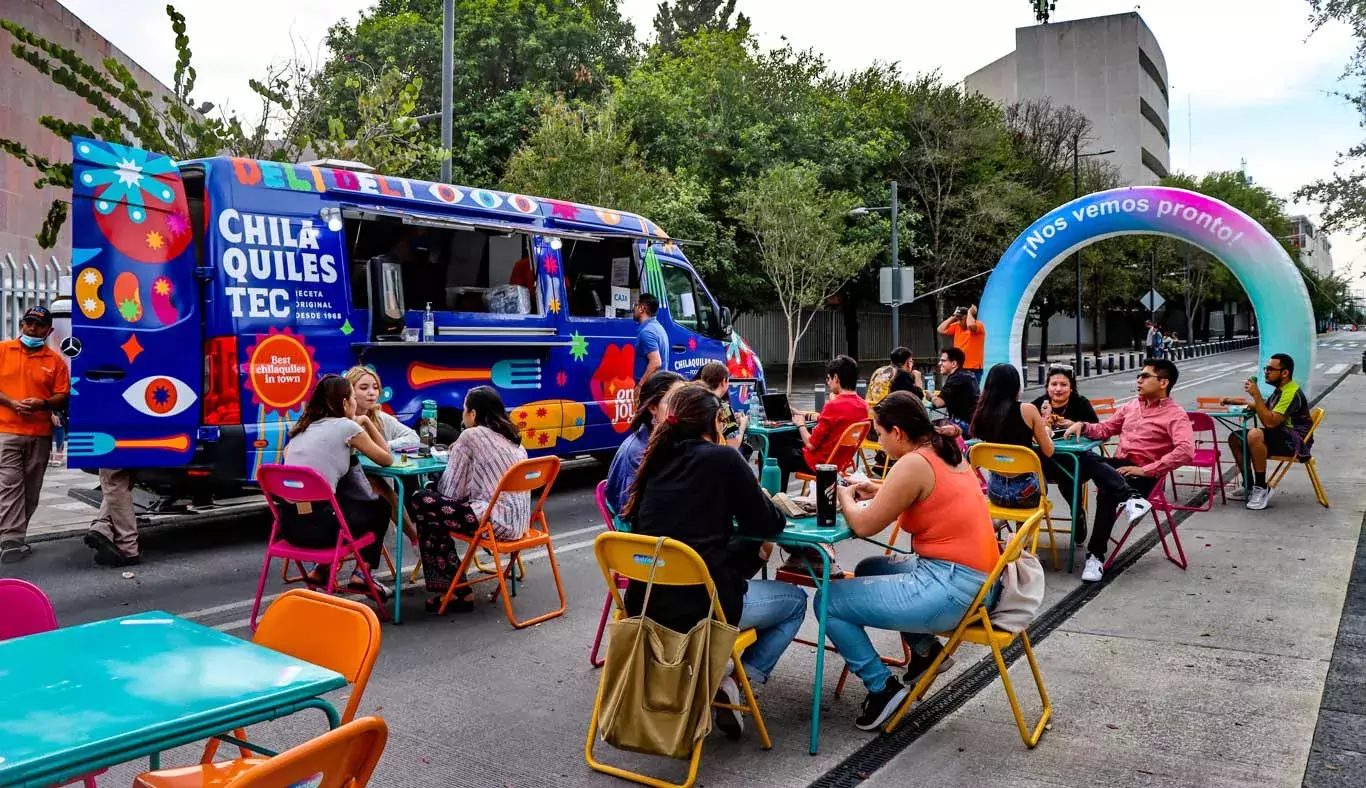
(726, 320)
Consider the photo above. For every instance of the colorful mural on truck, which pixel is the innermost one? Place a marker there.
(224, 307)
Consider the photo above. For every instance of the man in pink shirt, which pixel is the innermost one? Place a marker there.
(1155, 438)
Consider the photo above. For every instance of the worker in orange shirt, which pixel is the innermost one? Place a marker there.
(970, 336)
(34, 382)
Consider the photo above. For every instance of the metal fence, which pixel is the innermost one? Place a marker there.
(827, 337)
(24, 284)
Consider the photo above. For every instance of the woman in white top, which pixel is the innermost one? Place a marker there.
(489, 445)
(366, 387)
(325, 439)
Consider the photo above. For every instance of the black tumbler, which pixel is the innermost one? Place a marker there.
(826, 479)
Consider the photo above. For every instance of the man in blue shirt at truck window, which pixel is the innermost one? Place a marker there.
(652, 343)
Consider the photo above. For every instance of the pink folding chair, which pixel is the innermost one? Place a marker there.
(1207, 457)
(293, 485)
(1158, 498)
(600, 496)
(26, 610)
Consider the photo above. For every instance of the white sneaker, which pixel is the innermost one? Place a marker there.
(1258, 498)
(731, 722)
(1093, 571)
(1239, 494)
(1137, 507)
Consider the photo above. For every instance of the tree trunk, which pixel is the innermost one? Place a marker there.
(791, 347)
(938, 318)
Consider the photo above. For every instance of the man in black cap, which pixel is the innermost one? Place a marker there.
(34, 382)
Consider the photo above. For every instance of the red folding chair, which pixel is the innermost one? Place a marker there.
(1158, 498)
(1207, 457)
(600, 496)
(293, 485)
(25, 610)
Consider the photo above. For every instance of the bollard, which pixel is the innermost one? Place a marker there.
(862, 388)
(1112, 362)
(1043, 374)
(1086, 366)
(818, 391)
(1121, 362)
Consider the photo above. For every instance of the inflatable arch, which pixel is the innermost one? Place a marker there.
(1285, 317)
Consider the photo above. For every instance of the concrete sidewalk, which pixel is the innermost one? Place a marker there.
(1209, 677)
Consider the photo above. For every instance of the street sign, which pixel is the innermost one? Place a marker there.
(1153, 300)
(886, 293)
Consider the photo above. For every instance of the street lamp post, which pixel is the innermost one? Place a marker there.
(1077, 156)
(447, 86)
(893, 208)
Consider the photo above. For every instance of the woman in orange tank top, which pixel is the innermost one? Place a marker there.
(934, 495)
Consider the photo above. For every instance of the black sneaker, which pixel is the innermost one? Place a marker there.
(916, 668)
(878, 706)
(12, 552)
(106, 554)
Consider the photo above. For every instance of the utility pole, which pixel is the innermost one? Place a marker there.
(1152, 287)
(447, 87)
(1076, 192)
(1190, 318)
(896, 275)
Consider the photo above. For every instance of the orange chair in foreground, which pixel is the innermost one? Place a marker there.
(526, 476)
(843, 454)
(342, 758)
(338, 634)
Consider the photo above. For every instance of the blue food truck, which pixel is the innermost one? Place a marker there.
(210, 295)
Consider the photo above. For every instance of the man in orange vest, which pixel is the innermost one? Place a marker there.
(34, 382)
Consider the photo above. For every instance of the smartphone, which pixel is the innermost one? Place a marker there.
(843, 482)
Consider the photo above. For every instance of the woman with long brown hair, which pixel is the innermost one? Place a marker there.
(694, 488)
(488, 446)
(934, 495)
(621, 474)
(326, 438)
(367, 389)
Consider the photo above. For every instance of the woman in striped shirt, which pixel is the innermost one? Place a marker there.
(489, 445)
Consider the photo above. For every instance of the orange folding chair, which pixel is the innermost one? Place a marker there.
(526, 476)
(1283, 463)
(1210, 404)
(842, 454)
(338, 634)
(1104, 408)
(342, 758)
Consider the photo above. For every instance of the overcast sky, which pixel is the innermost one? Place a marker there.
(1258, 87)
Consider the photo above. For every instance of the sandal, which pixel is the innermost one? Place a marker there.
(458, 605)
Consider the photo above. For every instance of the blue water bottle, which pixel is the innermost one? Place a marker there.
(772, 477)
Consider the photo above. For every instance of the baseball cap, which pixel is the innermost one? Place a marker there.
(39, 314)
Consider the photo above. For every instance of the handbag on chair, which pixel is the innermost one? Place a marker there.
(658, 684)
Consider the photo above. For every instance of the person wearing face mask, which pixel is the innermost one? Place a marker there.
(34, 382)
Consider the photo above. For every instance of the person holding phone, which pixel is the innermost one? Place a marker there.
(1002, 418)
(970, 336)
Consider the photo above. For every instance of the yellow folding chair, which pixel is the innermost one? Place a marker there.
(976, 628)
(630, 556)
(1283, 463)
(1014, 460)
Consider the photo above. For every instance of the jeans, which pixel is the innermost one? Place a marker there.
(901, 593)
(1020, 491)
(1109, 497)
(775, 610)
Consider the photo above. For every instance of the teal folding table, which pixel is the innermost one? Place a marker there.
(84, 698)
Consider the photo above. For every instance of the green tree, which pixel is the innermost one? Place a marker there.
(509, 55)
(676, 19)
(1343, 195)
(798, 227)
(585, 154)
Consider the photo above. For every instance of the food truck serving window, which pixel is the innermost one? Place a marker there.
(601, 276)
(455, 265)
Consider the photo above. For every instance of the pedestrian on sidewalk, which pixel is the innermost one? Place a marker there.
(34, 382)
(1286, 420)
(114, 533)
(970, 336)
(1155, 438)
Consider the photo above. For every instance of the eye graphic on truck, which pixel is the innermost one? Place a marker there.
(159, 395)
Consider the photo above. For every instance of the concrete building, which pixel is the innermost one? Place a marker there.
(1111, 69)
(1315, 250)
(25, 96)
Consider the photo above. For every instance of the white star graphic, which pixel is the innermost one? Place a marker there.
(130, 174)
(89, 277)
(89, 304)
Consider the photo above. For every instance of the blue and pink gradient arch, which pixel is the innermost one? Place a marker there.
(1285, 317)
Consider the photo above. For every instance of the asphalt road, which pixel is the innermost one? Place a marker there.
(437, 678)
